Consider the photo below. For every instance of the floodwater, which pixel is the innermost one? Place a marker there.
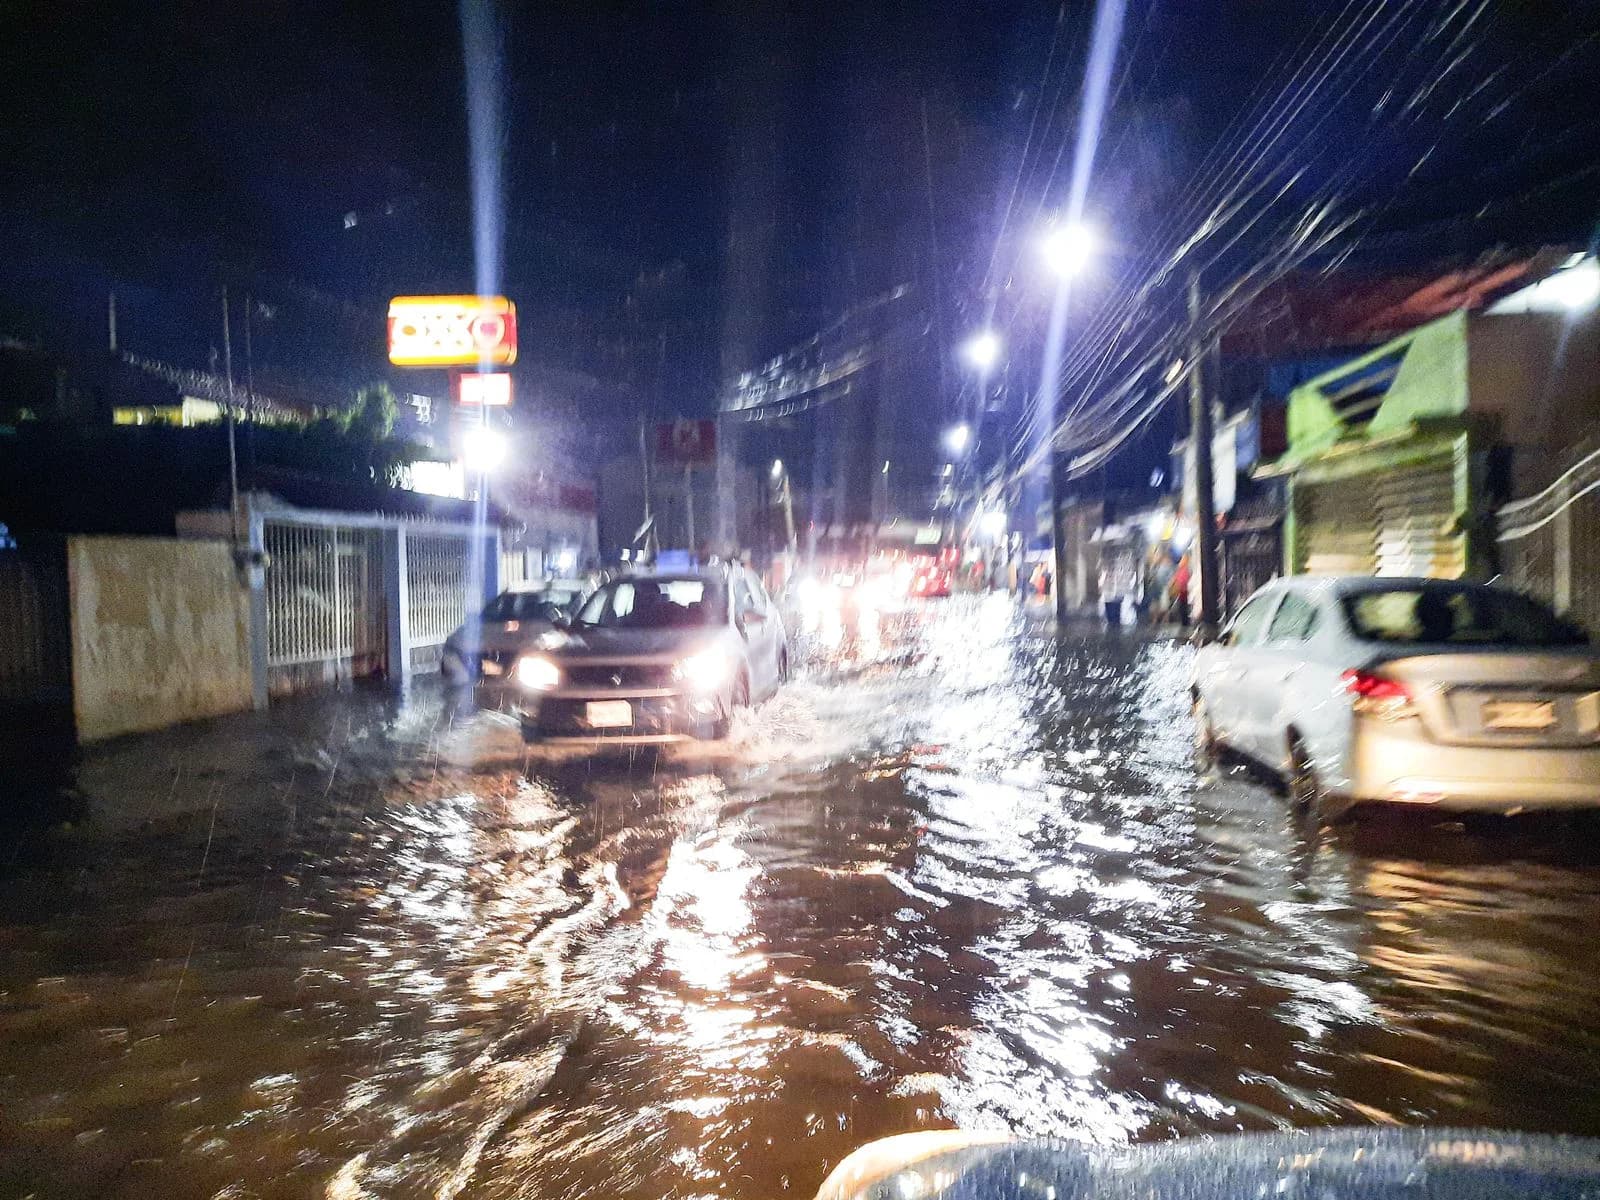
(965, 875)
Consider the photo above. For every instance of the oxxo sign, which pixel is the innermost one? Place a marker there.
(452, 331)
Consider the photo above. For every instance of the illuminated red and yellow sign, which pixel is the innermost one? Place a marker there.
(452, 331)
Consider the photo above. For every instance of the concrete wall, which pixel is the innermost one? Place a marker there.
(160, 633)
(1538, 375)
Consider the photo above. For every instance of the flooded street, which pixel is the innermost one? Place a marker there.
(965, 876)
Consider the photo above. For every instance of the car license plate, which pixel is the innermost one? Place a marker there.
(609, 714)
(490, 667)
(1519, 714)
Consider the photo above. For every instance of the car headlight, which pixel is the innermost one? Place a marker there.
(809, 592)
(705, 671)
(538, 673)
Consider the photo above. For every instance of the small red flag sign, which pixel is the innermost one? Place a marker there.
(686, 443)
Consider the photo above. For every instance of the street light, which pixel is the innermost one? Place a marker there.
(992, 523)
(1067, 248)
(982, 349)
(777, 468)
(482, 449)
(957, 438)
(1577, 288)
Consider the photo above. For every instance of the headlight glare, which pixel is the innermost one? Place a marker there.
(538, 673)
(705, 671)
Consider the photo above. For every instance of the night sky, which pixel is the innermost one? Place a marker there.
(689, 188)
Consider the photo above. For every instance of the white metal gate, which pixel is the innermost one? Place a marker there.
(438, 571)
(517, 565)
(325, 598)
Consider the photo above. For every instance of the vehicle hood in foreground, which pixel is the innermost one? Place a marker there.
(1350, 1164)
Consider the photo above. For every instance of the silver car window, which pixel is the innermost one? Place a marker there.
(1245, 629)
(1295, 620)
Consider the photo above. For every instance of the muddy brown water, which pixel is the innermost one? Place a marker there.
(965, 875)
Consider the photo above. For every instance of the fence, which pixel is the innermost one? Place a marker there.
(438, 574)
(325, 595)
(1252, 556)
(35, 641)
(346, 595)
(516, 565)
(1548, 542)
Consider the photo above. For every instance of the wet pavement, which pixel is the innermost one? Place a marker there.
(965, 875)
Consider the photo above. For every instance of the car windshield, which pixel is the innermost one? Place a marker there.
(527, 606)
(655, 604)
(1456, 616)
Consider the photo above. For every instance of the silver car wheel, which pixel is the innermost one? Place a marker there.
(1205, 734)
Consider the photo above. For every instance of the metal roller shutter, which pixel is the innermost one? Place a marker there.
(1416, 521)
(1335, 528)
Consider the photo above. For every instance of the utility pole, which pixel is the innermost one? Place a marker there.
(1058, 541)
(249, 396)
(227, 342)
(688, 504)
(644, 463)
(1200, 436)
(787, 496)
(233, 445)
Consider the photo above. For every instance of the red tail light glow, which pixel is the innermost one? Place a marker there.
(1378, 696)
(1374, 687)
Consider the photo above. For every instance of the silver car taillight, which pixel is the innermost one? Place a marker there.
(1378, 696)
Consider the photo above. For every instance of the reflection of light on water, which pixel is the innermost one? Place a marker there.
(703, 912)
(999, 1089)
(718, 1047)
(708, 887)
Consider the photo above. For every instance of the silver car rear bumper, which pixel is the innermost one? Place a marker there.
(1394, 763)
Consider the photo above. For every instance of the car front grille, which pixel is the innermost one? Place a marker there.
(618, 675)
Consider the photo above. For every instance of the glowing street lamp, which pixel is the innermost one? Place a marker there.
(957, 438)
(482, 449)
(982, 350)
(1576, 289)
(777, 468)
(1068, 248)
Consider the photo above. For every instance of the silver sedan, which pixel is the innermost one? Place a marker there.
(1429, 692)
(655, 658)
(485, 646)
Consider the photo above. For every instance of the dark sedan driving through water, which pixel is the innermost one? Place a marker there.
(652, 659)
(485, 646)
